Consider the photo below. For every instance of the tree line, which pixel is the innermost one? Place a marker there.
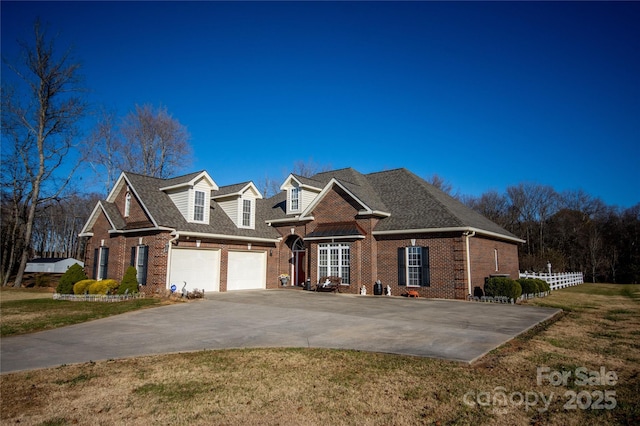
(572, 230)
(42, 207)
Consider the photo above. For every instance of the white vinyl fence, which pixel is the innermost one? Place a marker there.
(557, 280)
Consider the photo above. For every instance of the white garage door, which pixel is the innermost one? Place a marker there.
(247, 270)
(199, 268)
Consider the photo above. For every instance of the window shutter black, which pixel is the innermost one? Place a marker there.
(426, 276)
(144, 252)
(402, 271)
(133, 257)
(95, 264)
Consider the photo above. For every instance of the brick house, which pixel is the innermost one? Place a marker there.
(390, 226)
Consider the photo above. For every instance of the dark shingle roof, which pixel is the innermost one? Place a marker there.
(229, 189)
(113, 214)
(416, 204)
(357, 184)
(166, 214)
(411, 202)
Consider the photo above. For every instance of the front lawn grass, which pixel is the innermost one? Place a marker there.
(30, 315)
(307, 386)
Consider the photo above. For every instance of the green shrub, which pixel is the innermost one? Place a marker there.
(502, 286)
(129, 281)
(530, 285)
(82, 286)
(74, 274)
(107, 286)
(544, 286)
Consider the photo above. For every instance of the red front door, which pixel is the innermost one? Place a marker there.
(299, 275)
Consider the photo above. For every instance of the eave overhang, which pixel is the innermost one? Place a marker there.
(450, 229)
(204, 235)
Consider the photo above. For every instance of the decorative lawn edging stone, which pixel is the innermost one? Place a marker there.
(97, 297)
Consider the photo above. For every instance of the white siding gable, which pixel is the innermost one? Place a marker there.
(180, 198)
(185, 199)
(234, 206)
(230, 207)
(306, 194)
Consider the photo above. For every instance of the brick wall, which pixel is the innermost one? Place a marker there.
(445, 261)
(375, 258)
(137, 215)
(483, 262)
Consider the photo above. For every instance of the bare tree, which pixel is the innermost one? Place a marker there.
(440, 183)
(42, 124)
(104, 149)
(153, 142)
(309, 168)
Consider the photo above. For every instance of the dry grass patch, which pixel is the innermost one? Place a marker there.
(318, 386)
(24, 312)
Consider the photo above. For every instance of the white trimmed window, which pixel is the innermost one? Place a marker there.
(246, 213)
(334, 260)
(294, 199)
(413, 266)
(198, 206)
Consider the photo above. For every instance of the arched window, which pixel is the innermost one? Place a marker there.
(298, 245)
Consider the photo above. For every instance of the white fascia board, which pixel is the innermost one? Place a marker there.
(91, 219)
(112, 195)
(192, 182)
(227, 237)
(291, 177)
(113, 192)
(451, 229)
(131, 231)
(324, 191)
(291, 219)
(240, 192)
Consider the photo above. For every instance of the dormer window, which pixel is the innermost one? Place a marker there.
(127, 204)
(198, 206)
(294, 199)
(246, 213)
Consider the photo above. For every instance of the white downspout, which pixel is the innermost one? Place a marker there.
(469, 234)
(169, 246)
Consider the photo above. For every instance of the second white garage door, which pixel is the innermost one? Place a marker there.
(247, 270)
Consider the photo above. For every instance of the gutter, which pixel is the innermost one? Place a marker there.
(468, 235)
(169, 247)
(450, 229)
(227, 237)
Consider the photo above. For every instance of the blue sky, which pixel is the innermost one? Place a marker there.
(486, 95)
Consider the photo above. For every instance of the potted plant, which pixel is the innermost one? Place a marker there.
(284, 279)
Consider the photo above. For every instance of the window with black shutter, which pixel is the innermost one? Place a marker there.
(413, 266)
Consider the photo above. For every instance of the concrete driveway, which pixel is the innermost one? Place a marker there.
(454, 330)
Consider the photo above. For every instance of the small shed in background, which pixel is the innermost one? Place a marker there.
(54, 265)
